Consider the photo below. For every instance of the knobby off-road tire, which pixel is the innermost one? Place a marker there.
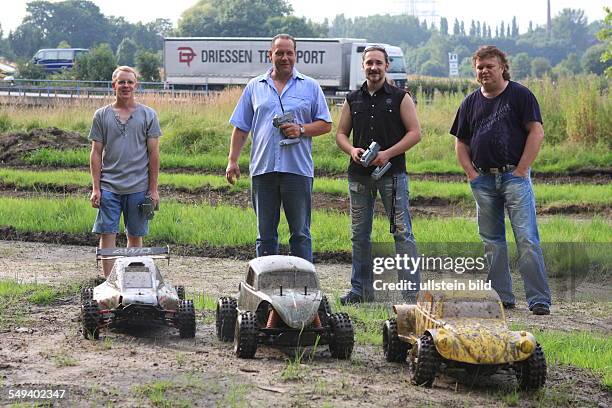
(86, 294)
(324, 311)
(180, 291)
(424, 362)
(342, 336)
(245, 335)
(90, 317)
(531, 373)
(226, 318)
(186, 321)
(394, 349)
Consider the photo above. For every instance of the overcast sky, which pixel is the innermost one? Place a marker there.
(493, 11)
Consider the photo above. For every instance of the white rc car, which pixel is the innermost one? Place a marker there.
(135, 292)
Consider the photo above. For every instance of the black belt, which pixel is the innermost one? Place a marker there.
(497, 170)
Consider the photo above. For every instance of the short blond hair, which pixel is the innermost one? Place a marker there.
(123, 68)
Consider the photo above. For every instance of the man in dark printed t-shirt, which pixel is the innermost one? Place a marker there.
(499, 133)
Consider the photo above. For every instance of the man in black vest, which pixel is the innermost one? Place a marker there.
(378, 112)
(499, 133)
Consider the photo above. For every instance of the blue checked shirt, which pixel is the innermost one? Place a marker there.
(257, 106)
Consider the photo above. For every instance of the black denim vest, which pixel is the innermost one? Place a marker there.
(377, 118)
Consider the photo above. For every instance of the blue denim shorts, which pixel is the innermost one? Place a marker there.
(112, 205)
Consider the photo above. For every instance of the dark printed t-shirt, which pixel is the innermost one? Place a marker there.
(494, 128)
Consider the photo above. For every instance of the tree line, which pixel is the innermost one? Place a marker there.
(571, 46)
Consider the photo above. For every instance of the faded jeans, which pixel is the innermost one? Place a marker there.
(294, 192)
(492, 193)
(363, 191)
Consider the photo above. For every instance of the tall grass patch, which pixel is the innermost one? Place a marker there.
(579, 349)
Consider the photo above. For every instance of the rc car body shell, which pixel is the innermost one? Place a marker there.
(466, 327)
(135, 281)
(288, 283)
(135, 292)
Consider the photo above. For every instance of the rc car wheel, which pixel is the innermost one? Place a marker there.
(180, 291)
(186, 319)
(324, 311)
(342, 336)
(395, 350)
(90, 317)
(424, 362)
(245, 335)
(531, 373)
(86, 294)
(226, 318)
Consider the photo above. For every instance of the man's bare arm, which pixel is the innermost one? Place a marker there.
(239, 137)
(153, 150)
(535, 137)
(95, 168)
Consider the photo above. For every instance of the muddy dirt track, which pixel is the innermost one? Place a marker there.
(42, 348)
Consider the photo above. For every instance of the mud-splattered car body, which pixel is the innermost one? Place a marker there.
(280, 304)
(464, 329)
(135, 292)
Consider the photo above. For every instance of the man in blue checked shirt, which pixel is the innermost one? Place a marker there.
(283, 110)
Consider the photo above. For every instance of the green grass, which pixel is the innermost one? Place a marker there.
(232, 226)
(156, 394)
(546, 194)
(577, 116)
(579, 349)
(13, 294)
(367, 320)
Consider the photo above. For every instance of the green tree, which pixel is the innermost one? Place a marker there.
(29, 70)
(97, 65)
(456, 28)
(570, 28)
(63, 44)
(78, 22)
(591, 60)
(443, 26)
(126, 52)
(569, 66)
(515, 29)
(297, 26)
(540, 67)
(147, 65)
(434, 68)
(520, 65)
(605, 35)
(242, 18)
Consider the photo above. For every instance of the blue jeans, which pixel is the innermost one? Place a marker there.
(294, 192)
(112, 205)
(362, 192)
(492, 193)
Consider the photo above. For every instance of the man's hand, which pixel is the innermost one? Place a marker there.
(472, 175)
(290, 130)
(518, 172)
(381, 158)
(154, 194)
(95, 198)
(356, 153)
(232, 172)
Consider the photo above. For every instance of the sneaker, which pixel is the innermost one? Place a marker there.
(508, 305)
(350, 298)
(540, 309)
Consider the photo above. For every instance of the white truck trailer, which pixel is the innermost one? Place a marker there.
(214, 62)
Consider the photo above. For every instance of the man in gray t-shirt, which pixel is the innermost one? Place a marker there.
(124, 163)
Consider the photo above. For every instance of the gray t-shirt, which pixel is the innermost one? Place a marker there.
(125, 159)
